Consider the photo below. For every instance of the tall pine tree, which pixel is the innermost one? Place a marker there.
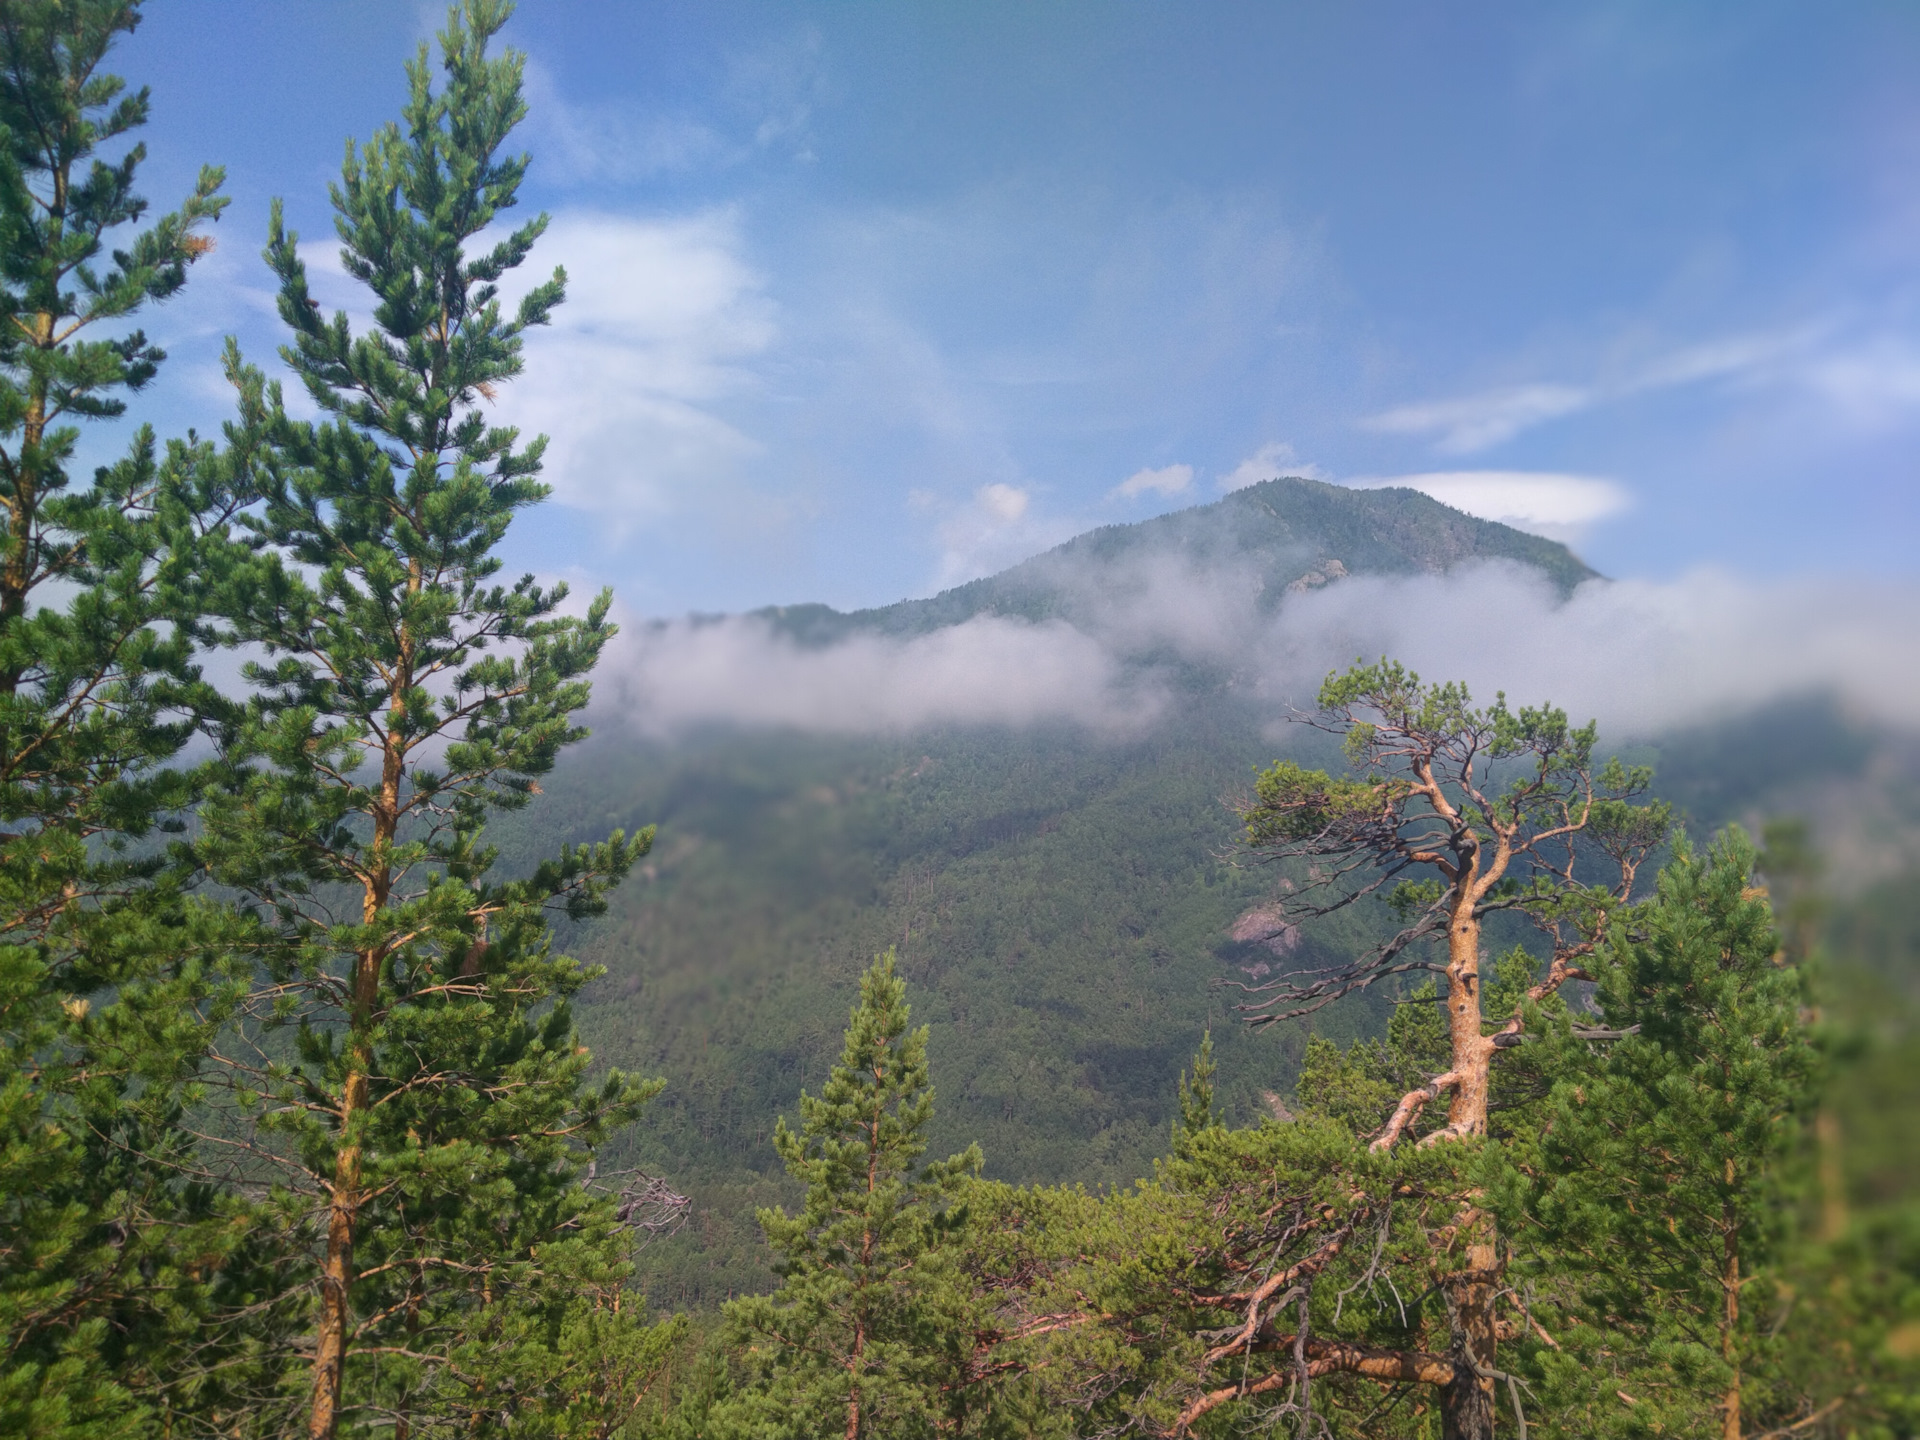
(864, 1336)
(1660, 1197)
(98, 694)
(407, 1074)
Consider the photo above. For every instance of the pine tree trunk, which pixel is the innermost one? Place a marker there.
(1730, 1320)
(1466, 1404)
(343, 1215)
(853, 1376)
(16, 569)
(1472, 1051)
(1833, 1174)
(343, 1211)
(336, 1276)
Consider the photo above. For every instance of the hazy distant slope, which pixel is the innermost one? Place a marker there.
(1279, 532)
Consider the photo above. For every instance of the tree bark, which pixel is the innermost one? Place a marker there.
(343, 1210)
(336, 1277)
(1472, 1051)
(1323, 1357)
(1730, 1284)
(1466, 1400)
(343, 1216)
(1833, 1175)
(22, 506)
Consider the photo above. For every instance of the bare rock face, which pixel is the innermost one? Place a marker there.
(1263, 925)
(1325, 574)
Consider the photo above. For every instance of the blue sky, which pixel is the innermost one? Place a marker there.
(869, 298)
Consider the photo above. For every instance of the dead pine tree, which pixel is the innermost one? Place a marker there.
(1453, 814)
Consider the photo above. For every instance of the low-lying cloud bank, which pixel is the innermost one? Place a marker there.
(990, 670)
(1641, 656)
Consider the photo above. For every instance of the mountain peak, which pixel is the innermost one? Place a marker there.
(1287, 536)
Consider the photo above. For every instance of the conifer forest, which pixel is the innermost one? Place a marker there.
(393, 1045)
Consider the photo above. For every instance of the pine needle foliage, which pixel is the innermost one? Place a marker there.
(406, 1075)
(1665, 1193)
(98, 695)
(864, 1336)
(1197, 1113)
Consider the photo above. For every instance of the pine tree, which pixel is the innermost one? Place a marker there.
(864, 1336)
(406, 1073)
(1496, 810)
(1280, 1277)
(1196, 1096)
(98, 695)
(1663, 1192)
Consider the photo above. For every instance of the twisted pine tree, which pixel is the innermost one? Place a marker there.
(407, 1074)
(98, 694)
(1468, 813)
(864, 1336)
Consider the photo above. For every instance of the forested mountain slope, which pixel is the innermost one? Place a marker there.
(1064, 906)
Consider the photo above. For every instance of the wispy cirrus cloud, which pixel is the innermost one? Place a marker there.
(1167, 480)
(663, 323)
(1873, 383)
(1559, 506)
(765, 106)
(1465, 424)
(1476, 422)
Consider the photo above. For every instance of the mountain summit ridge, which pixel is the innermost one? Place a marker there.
(1289, 533)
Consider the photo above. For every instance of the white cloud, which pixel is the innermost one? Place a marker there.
(662, 320)
(777, 86)
(765, 105)
(1478, 422)
(990, 670)
(1560, 507)
(1475, 422)
(1271, 461)
(1874, 383)
(1642, 656)
(998, 527)
(1167, 480)
(1004, 502)
(1715, 359)
(617, 142)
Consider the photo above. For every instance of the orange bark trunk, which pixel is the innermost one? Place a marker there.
(343, 1217)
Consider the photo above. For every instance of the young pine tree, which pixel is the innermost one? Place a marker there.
(98, 695)
(407, 1074)
(1661, 1196)
(864, 1336)
(1197, 1113)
